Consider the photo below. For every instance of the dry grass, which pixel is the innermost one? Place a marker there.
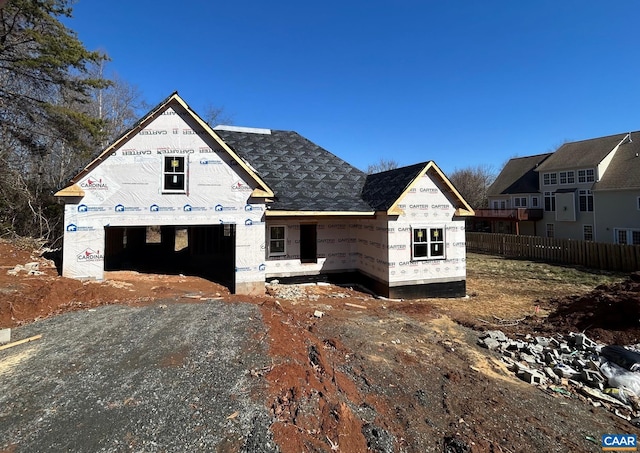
(511, 289)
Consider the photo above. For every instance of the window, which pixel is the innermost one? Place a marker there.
(587, 232)
(638, 204)
(520, 202)
(627, 236)
(567, 177)
(549, 201)
(586, 175)
(549, 178)
(535, 202)
(586, 201)
(174, 174)
(428, 243)
(502, 204)
(550, 230)
(277, 240)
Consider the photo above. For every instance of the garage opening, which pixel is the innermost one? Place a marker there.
(206, 251)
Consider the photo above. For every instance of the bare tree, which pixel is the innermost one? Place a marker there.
(216, 115)
(382, 165)
(472, 183)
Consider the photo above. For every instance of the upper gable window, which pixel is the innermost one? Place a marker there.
(174, 174)
(549, 179)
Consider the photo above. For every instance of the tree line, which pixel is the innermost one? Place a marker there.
(57, 108)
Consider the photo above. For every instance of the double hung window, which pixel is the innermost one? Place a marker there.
(174, 175)
(428, 243)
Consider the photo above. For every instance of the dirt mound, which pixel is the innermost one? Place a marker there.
(608, 314)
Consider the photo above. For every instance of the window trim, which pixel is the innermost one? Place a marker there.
(283, 239)
(429, 243)
(184, 173)
(584, 232)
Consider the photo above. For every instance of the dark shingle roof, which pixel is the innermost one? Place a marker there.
(303, 176)
(381, 190)
(624, 170)
(582, 154)
(518, 176)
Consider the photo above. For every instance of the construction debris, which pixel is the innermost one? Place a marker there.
(19, 342)
(574, 366)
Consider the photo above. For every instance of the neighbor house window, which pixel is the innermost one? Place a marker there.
(277, 240)
(563, 177)
(567, 177)
(520, 202)
(428, 243)
(638, 204)
(586, 201)
(535, 202)
(549, 178)
(550, 230)
(586, 175)
(174, 174)
(587, 232)
(549, 201)
(627, 236)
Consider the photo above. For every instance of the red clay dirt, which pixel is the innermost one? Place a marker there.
(352, 373)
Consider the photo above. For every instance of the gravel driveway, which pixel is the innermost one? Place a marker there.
(171, 377)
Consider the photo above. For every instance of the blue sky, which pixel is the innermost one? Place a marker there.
(461, 82)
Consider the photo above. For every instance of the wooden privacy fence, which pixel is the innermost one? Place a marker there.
(597, 255)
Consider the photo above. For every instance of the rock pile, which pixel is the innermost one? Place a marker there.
(574, 366)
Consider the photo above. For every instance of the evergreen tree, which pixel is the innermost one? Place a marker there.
(44, 79)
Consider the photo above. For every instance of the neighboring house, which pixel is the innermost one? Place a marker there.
(590, 190)
(515, 203)
(258, 204)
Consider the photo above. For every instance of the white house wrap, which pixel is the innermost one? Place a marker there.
(258, 204)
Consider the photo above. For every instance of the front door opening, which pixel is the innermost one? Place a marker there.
(308, 243)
